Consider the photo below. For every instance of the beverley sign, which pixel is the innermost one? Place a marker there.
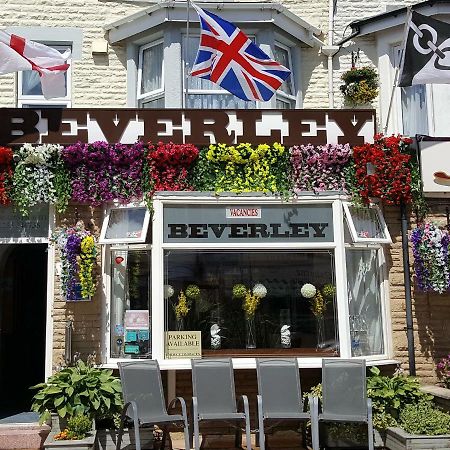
(270, 223)
(200, 127)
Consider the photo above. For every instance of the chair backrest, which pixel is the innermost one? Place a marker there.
(279, 385)
(344, 387)
(141, 382)
(213, 385)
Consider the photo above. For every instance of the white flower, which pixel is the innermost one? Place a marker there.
(259, 290)
(308, 290)
(168, 291)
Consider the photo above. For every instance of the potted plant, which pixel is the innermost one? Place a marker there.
(78, 435)
(421, 426)
(79, 390)
(360, 85)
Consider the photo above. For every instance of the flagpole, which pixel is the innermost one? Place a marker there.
(397, 70)
(186, 58)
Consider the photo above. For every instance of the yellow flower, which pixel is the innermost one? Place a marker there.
(181, 308)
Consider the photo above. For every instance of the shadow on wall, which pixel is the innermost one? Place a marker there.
(432, 313)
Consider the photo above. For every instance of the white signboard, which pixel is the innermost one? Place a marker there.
(435, 167)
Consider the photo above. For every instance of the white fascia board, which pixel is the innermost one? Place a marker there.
(239, 12)
(398, 19)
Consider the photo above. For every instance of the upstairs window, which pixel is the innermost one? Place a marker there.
(286, 92)
(30, 89)
(151, 76)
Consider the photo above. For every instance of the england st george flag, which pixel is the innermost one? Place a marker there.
(427, 52)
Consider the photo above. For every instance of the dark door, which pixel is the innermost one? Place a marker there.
(23, 299)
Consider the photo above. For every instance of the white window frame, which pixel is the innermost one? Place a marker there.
(108, 249)
(36, 101)
(158, 247)
(104, 240)
(156, 93)
(359, 239)
(280, 95)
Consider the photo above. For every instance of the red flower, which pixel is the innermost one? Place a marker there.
(6, 157)
(392, 178)
(167, 166)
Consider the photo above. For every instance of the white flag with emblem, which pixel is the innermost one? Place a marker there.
(426, 56)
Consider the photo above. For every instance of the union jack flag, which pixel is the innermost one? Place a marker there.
(230, 59)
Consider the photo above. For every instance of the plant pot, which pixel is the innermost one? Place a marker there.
(107, 439)
(77, 444)
(335, 439)
(58, 423)
(399, 439)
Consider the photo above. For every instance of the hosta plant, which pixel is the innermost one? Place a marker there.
(82, 389)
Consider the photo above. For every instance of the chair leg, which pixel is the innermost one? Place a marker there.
(187, 440)
(262, 437)
(370, 424)
(315, 423)
(238, 438)
(195, 425)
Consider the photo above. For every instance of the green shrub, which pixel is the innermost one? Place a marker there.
(390, 394)
(424, 418)
(79, 426)
(79, 390)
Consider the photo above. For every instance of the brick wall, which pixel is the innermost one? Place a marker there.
(86, 316)
(431, 312)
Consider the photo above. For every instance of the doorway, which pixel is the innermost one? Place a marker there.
(23, 304)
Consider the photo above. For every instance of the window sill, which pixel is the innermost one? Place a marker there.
(264, 352)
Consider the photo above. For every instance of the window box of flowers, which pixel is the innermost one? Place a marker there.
(360, 86)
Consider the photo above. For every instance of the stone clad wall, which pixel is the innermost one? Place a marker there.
(99, 80)
(431, 312)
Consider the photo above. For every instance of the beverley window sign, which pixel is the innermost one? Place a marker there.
(248, 224)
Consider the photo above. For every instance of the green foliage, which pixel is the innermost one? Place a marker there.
(63, 188)
(424, 418)
(78, 427)
(390, 394)
(360, 85)
(82, 389)
(351, 182)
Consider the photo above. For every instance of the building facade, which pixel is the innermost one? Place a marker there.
(134, 56)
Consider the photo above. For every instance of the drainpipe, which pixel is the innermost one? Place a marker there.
(330, 50)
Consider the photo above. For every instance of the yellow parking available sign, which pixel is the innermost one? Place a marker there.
(183, 344)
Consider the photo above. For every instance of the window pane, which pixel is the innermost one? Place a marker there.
(131, 291)
(284, 319)
(152, 60)
(126, 223)
(367, 223)
(31, 84)
(366, 326)
(282, 56)
(218, 101)
(155, 103)
(285, 104)
(414, 110)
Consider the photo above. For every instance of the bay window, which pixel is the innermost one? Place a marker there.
(252, 276)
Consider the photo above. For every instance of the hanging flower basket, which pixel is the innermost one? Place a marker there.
(78, 259)
(391, 177)
(431, 258)
(360, 85)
